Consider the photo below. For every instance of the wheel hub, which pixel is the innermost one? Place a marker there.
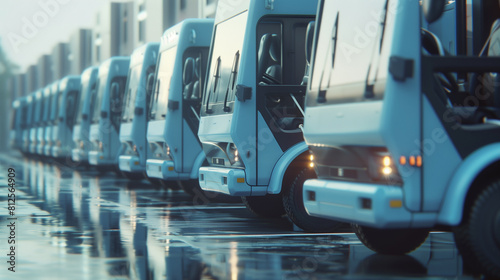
(496, 228)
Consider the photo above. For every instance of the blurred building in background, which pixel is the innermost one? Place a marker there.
(32, 78)
(80, 51)
(120, 26)
(44, 69)
(61, 63)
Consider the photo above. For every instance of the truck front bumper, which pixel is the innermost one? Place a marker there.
(40, 149)
(130, 164)
(164, 169)
(371, 205)
(59, 152)
(230, 181)
(97, 158)
(78, 155)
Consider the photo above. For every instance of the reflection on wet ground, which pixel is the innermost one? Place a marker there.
(80, 225)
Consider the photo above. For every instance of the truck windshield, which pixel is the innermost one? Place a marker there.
(98, 99)
(55, 105)
(86, 90)
(218, 97)
(71, 103)
(38, 109)
(61, 108)
(13, 121)
(163, 79)
(129, 98)
(351, 60)
(46, 104)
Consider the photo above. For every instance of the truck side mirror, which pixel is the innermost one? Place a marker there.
(115, 88)
(433, 9)
(115, 100)
(150, 83)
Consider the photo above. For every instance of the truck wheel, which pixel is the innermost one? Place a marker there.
(153, 181)
(478, 236)
(269, 206)
(173, 185)
(294, 206)
(190, 187)
(391, 241)
(132, 176)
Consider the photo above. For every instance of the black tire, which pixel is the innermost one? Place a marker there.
(173, 185)
(191, 187)
(132, 176)
(391, 241)
(153, 181)
(294, 206)
(269, 206)
(478, 236)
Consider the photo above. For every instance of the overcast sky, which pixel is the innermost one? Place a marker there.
(31, 28)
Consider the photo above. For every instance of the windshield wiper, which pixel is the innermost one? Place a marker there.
(333, 45)
(369, 87)
(232, 79)
(216, 76)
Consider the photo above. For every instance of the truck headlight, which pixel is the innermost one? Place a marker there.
(383, 168)
(167, 150)
(387, 165)
(233, 154)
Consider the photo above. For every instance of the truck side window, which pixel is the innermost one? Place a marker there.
(71, 107)
(188, 77)
(116, 100)
(281, 67)
(269, 60)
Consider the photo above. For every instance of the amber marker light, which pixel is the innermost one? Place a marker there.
(396, 203)
(412, 161)
(402, 160)
(419, 161)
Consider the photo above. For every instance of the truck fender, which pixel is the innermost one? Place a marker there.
(196, 166)
(454, 200)
(281, 166)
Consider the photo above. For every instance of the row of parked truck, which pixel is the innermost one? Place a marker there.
(367, 112)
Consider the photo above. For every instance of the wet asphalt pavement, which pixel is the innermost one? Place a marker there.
(78, 224)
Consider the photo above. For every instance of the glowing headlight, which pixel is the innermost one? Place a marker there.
(232, 153)
(386, 165)
(167, 150)
(236, 155)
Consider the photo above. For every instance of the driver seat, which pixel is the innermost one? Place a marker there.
(269, 60)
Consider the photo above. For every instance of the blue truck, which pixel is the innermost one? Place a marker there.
(404, 134)
(133, 128)
(252, 108)
(106, 106)
(81, 142)
(175, 150)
